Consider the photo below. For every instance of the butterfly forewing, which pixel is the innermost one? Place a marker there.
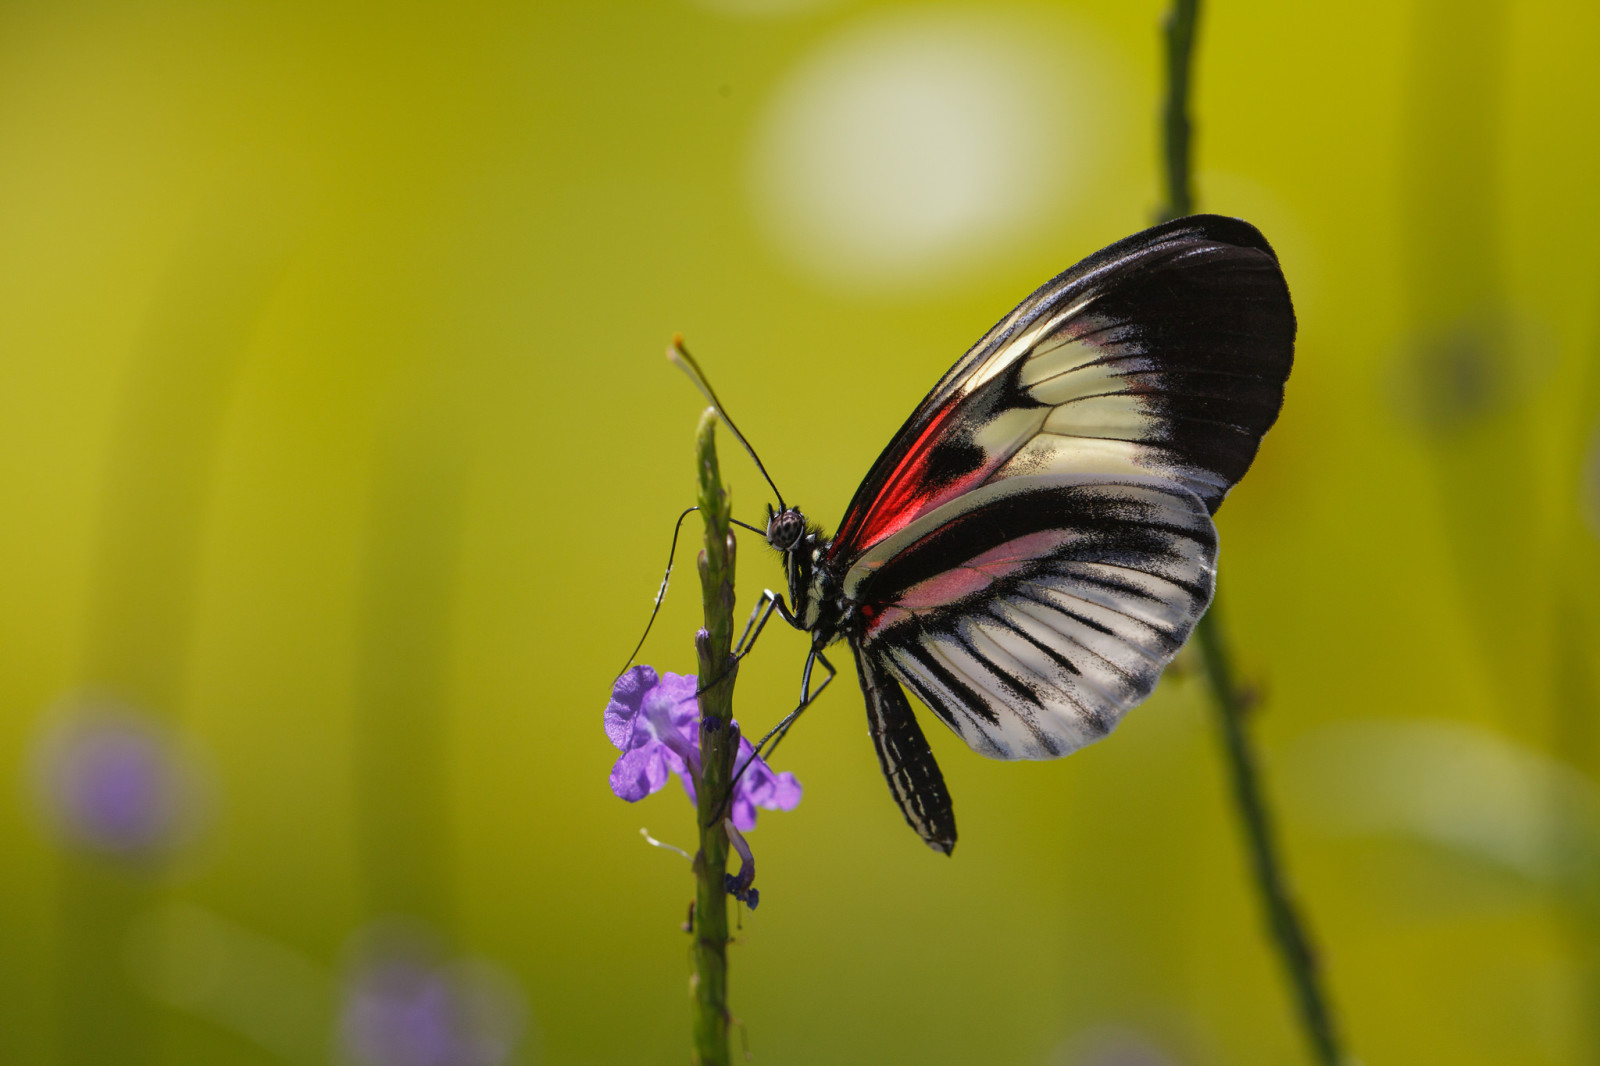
(1163, 355)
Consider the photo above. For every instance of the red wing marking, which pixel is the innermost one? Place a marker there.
(1004, 558)
(948, 587)
(907, 492)
(880, 619)
(971, 577)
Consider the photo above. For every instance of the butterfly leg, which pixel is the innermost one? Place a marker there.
(807, 698)
(770, 601)
(779, 731)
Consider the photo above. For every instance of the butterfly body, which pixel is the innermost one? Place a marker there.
(1035, 544)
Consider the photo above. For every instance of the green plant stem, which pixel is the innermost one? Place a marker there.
(1179, 31)
(1288, 929)
(1283, 917)
(719, 742)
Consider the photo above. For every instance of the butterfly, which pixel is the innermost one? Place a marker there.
(1035, 544)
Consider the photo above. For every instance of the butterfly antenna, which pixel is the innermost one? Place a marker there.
(680, 355)
(661, 593)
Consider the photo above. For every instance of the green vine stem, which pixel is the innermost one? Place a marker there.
(1287, 927)
(719, 742)
(1179, 30)
(1283, 916)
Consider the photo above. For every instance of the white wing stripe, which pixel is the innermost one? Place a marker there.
(1110, 679)
(1101, 378)
(1006, 705)
(1068, 722)
(950, 707)
(1143, 638)
(1114, 417)
(1153, 612)
(1053, 721)
(1008, 352)
(1155, 586)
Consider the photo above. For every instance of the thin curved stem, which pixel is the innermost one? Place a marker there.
(1288, 929)
(1176, 129)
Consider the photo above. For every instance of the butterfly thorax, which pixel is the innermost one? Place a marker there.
(815, 592)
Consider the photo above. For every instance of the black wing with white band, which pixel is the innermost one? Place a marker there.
(1164, 355)
(1037, 613)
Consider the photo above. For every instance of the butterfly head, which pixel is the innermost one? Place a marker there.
(813, 587)
(785, 528)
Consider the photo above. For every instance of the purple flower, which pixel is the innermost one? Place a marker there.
(655, 722)
(1111, 1046)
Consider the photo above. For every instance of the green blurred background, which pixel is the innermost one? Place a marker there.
(339, 460)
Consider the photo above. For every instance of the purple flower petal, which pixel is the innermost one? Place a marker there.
(642, 771)
(627, 700)
(677, 692)
(651, 719)
(759, 786)
(688, 786)
(672, 714)
(742, 812)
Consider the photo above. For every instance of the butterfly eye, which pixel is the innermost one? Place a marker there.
(785, 529)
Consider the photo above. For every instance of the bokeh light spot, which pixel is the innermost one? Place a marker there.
(1457, 787)
(917, 144)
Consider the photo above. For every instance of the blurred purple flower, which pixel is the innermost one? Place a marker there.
(402, 1007)
(1111, 1045)
(655, 722)
(114, 783)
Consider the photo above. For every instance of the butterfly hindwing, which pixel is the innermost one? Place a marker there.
(1162, 355)
(1032, 613)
